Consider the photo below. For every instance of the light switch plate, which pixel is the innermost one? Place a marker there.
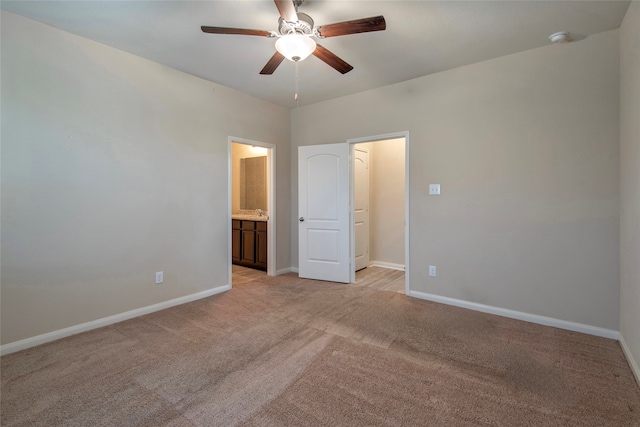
(434, 189)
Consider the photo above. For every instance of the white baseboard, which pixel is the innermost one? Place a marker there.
(105, 321)
(389, 265)
(533, 318)
(285, 271)
(632, 362)
(295, 270)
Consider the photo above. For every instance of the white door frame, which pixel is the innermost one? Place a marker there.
(271, 189)
(407, 235)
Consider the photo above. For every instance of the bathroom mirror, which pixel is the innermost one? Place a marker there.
(253, 183)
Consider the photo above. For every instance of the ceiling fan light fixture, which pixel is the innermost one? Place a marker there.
(295, 47)
(559, 37)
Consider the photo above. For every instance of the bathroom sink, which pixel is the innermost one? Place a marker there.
(250, 217)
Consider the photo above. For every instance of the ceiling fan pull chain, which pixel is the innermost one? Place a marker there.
(297, 81)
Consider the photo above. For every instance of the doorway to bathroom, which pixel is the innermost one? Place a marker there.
(252, 213)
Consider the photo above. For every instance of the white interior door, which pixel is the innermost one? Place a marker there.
(323, 212)
(361, 206)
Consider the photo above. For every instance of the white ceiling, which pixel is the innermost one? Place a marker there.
(422, 37)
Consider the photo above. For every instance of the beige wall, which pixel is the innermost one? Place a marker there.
(386, 196)
(113, 168)
(630, 183)
(526, 150)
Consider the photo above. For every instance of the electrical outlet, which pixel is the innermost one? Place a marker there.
(432, 270)
(159, 277)
(434, 189)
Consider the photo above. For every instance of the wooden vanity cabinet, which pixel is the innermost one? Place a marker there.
(261, 245)
(249, 243)
(236, 238)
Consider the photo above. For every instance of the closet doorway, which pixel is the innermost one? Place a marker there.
(380, 199)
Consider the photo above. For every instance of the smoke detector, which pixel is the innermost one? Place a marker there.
(559, 37)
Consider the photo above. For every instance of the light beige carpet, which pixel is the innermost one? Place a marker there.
(282, 351)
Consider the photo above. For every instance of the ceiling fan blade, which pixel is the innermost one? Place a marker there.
(331, 59)
(287, 10)
(273, 63)
(242, 31)
(365, 25)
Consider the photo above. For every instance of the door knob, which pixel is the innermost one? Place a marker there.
(301, 219)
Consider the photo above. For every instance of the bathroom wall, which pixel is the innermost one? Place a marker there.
(241, 151)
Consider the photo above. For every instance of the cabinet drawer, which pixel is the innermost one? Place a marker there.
(235, 223)
(261, 226)
(248, 225)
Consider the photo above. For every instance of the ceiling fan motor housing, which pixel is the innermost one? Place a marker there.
(303, 26)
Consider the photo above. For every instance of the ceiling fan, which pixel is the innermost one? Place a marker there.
(295, 35)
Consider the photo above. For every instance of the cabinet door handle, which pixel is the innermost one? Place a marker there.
(301, 219)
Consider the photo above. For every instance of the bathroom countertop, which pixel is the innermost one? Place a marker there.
(249, 217)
